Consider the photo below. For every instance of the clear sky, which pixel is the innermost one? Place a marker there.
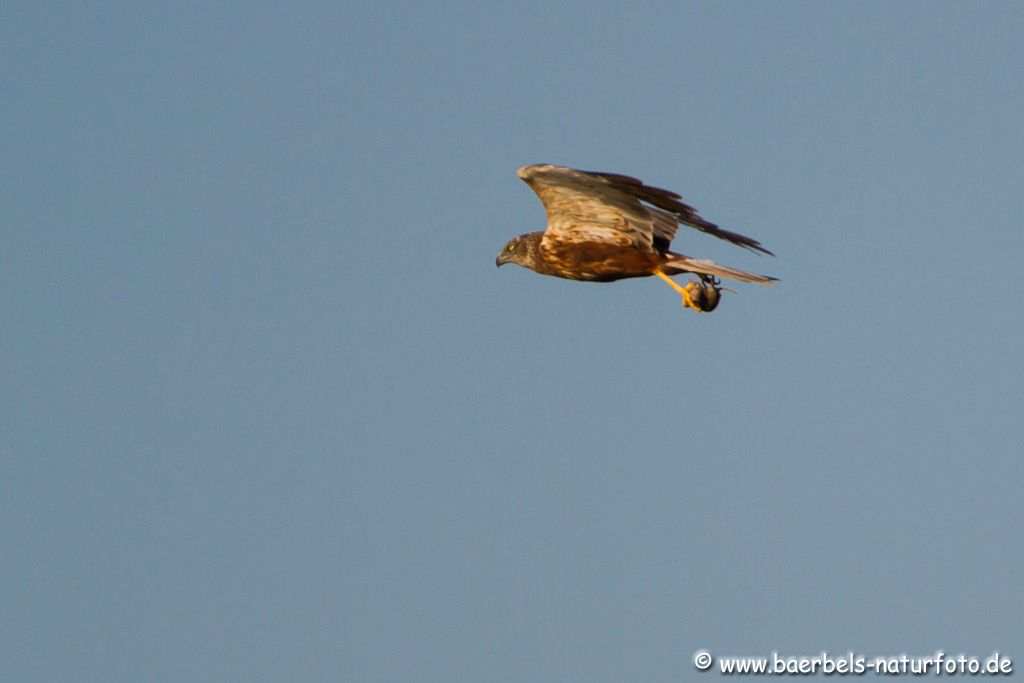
(269, 412)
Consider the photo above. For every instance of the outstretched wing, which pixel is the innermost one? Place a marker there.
(679, 263)
(585, 207)
(607, 207)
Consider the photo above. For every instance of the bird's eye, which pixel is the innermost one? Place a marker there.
(511, 247)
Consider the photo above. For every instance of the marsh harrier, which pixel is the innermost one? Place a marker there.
(604, 227)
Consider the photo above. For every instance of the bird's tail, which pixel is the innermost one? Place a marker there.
(680, 263)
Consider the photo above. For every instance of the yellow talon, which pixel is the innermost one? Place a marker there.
(688, 301)
(685, 291)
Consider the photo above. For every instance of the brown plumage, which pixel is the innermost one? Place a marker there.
(604, 227)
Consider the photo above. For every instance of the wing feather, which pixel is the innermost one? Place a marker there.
(584, 207)
(607, 207)
(708, 267)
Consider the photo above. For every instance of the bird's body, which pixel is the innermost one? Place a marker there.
(589, 261)
(604, 227)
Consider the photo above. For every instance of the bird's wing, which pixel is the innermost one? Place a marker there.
(586, 207)
(607, 206)
(680, 263)
(665, 227)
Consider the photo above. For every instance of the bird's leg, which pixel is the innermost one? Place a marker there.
(684, 291)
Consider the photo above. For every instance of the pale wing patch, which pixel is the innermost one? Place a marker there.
(665, 224)
(584, 207)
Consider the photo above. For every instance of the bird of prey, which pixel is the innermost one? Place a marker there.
(605, 226)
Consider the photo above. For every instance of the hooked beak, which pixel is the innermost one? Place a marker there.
(502, 259)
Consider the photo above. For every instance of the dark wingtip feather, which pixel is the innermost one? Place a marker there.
(672, 202)
(743, 241)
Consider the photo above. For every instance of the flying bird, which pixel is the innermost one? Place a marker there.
(605, 226)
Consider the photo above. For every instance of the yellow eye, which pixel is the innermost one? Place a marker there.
(511, 247)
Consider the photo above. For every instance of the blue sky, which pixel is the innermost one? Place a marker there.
(271, 413)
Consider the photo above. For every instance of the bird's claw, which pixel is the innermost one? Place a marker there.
(688, 300)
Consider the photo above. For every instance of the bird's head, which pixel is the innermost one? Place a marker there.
(517, 251)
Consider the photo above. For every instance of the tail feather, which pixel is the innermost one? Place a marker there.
(681, 263)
